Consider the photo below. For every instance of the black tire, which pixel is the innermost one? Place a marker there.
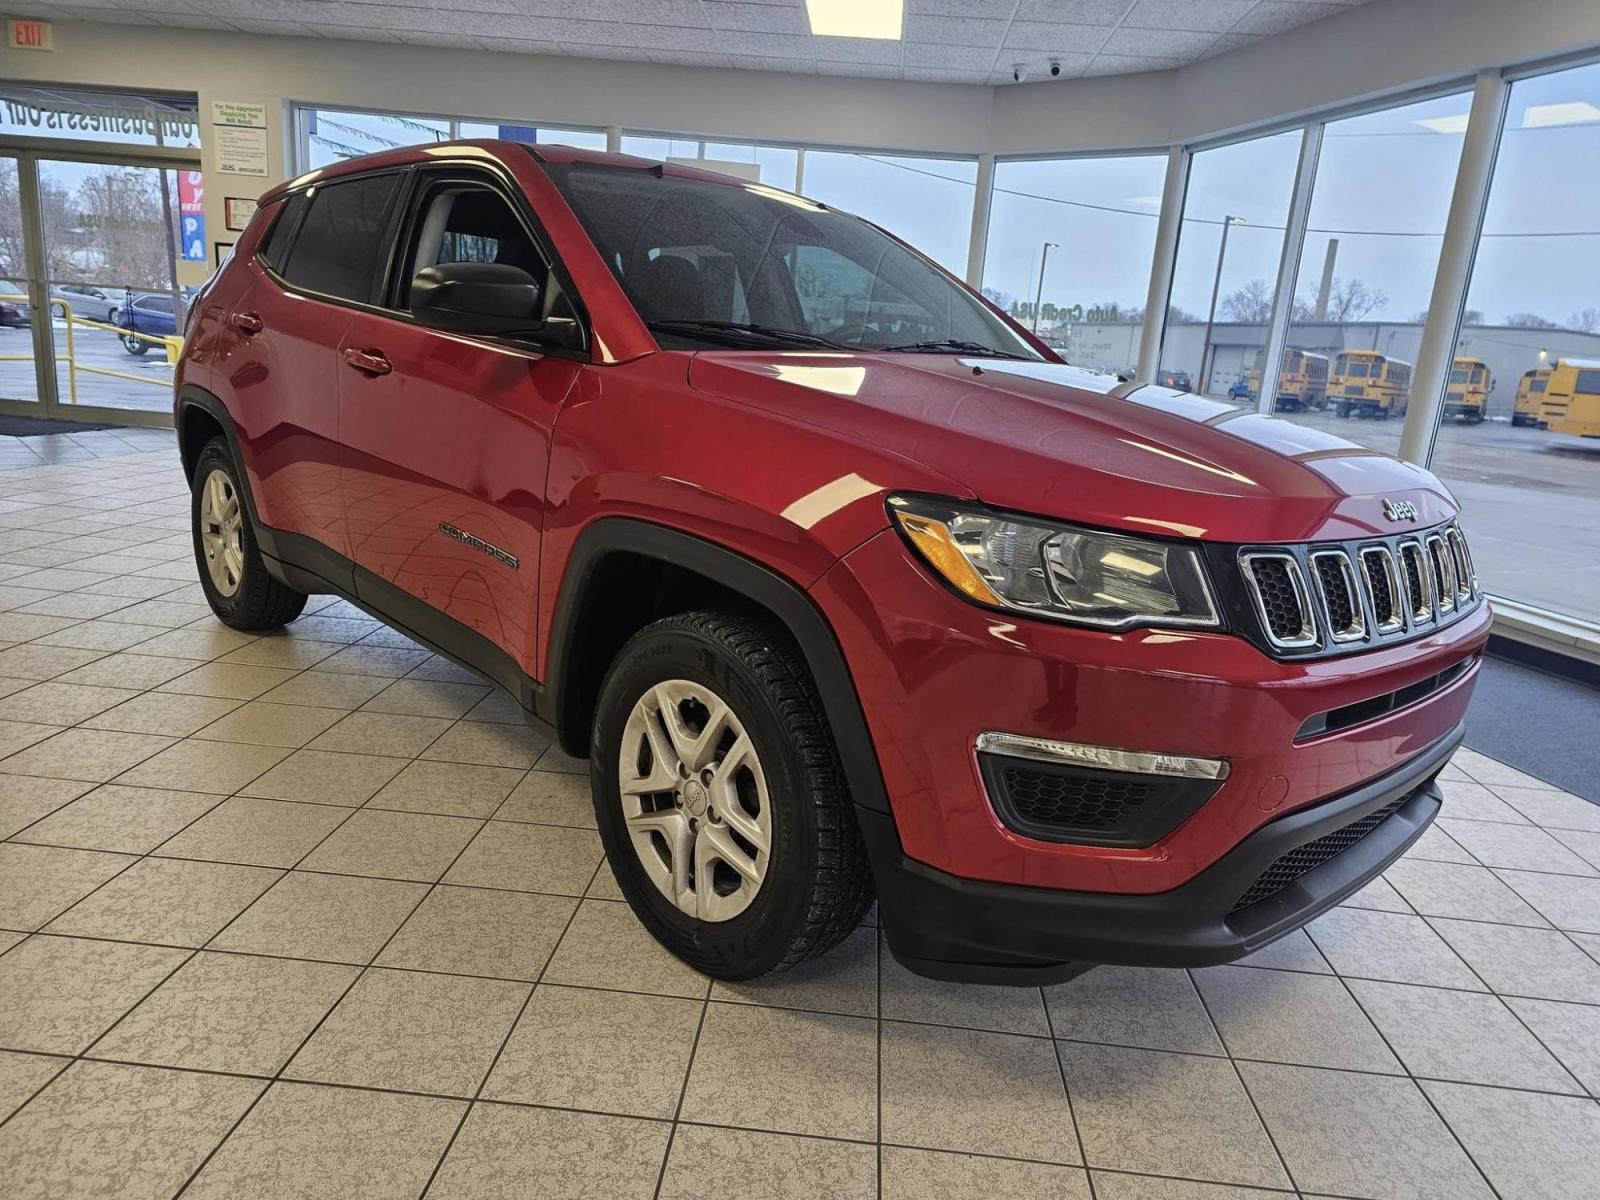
(137, 347)
(818, 884)
(259, 601)
(1343, 411)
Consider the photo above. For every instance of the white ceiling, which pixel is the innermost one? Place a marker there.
(955, 41)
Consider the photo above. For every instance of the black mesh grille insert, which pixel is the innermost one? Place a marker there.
(1336, 590)
(1080, 801)
(1383, 609)
(1411, 563)
(1060, 802)
(1280, 599)
(1289, 867)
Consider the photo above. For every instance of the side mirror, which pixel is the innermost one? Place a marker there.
(485, 298)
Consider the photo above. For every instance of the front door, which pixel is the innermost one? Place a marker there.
(446, 437)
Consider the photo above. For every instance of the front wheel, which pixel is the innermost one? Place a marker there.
(720, 798)
(136, 346)
(232, 573)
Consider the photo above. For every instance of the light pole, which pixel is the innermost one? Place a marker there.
(1206, 357)
(1038, 296)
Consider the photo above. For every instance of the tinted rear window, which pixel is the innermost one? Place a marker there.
(276, 242)
(341, 240)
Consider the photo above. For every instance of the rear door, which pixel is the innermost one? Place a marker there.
(447, 436)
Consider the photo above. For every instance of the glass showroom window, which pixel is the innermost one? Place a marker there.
(1090, 224)
(332, 136)
(1229, 244)
(775, 166)
(1383, 187)
(543, 135)
(95, 115)
(924, 201)
(1528, 476)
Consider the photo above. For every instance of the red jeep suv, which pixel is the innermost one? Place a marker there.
(845, 584)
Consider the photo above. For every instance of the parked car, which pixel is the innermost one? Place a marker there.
(149, 313)
(1239, 389)
(13, 313)
(844, 590)
(1180, 380)
(93, 303)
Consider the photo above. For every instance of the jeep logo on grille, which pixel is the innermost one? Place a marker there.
(1399, 510)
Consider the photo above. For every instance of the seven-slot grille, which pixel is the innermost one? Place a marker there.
(1339, 597)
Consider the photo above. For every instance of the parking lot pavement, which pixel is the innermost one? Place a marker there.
(150, 392)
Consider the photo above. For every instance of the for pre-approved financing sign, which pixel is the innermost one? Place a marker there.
(240, 131)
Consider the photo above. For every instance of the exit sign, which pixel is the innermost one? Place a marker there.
(29, 35)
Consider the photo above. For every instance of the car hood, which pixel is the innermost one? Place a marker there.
(1063, 442)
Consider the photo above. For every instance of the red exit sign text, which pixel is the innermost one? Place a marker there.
(29, 35)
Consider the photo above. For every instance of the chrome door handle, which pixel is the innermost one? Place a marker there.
(368, 362)
(248, 323)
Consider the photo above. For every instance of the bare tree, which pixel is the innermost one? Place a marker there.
(1353, 300)
(1530, 320)
(1251, 304)
(55, 207)
(1585, 320)
(1472, 316)
(124, 232)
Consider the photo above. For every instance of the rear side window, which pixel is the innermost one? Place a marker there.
(341, 245)
(276, 243)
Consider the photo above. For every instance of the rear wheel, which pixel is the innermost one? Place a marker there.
(134, 345)
(720, 797)
(232, 573)
(1343, 411)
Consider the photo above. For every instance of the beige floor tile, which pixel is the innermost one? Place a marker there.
(25, 799)
(322, 777)
(32, 660)
(1167, 1114)
(974, 1092)
(167, 901)
(1474, 802)
(412, 1031)
(844, 980)
(1360, 1135)
(382, 733)
(537, 858)
(390, 662)
(1519, 847)
(550, 798)
(1584, 844)
(606, 947)
(19, 735)
(1293, 952)
(58, 994)
(393, 845)
(428, 698)
(105, 635)
(1437, 889)
(1571, 1031)
(114, 817)
(262, 833)
(230, 681)
(614, 1052)
(107, 1130)
(1131, 1006)
(604, 886)
(228, 1012)
(200, 644)
(1439, 846)
(1118, 1186)
(129, 671)
(508, 1153)
(438, 667)
(553, 760)
(1493, 772)
(164, 713)
(453, 789)
(21, 1075)
(488, 745)
(88, 754)
(1391, 946)
(1285, 1016)
(1541, 963)
(818, 1074)
(728, 1162)
(476, 931)
(1464, 1036)
(1568, 901)
(38, 882)
(1551, 810)
(498, 708)
(1381, 896)
(325, 1143)
(220, 767)
(335, 622)
(57, 703)
(1531, 1147)
(276, 650)
(321, 689)
(335, 918)
(260, 724)
(934, 1175)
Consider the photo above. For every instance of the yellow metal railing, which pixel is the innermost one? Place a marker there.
(172, 344)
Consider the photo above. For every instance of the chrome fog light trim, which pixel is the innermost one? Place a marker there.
(1107, 759)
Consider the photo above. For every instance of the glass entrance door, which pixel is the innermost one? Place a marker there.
(19, 368)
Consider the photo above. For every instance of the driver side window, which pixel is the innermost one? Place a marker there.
(469, 223)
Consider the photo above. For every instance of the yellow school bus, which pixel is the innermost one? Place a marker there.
(1572, 398)
(1365, 383)
(1466, 396)
(1302, 380)
(1530, 397)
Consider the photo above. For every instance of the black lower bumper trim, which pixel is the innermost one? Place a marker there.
(947, 927)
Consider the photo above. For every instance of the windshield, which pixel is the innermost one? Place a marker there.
(728, 265)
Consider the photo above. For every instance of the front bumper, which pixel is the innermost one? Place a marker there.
(968, 930)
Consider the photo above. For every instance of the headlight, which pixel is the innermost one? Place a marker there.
(1107, 580)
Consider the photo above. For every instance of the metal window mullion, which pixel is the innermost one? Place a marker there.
(982, 199)
(36, 271)
(1168, 224)
(1294, 236)
(1462, 230)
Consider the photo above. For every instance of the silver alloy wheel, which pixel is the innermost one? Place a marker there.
(221, 531)
(694, 797)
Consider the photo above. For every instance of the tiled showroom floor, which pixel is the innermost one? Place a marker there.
(314, 914)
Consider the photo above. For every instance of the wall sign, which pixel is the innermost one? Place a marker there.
(192, 215)
(241, 138)
(30, 35)
(237, 212)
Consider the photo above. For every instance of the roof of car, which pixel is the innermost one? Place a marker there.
(492, 148)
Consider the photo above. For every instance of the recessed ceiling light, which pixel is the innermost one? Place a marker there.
(1573, 112)
(857, 18)
(1455, 123)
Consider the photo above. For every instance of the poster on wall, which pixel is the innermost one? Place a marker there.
(237, 211)
(192, 215)
(241, 138)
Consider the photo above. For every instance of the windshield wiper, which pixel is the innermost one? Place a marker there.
(951, 346)
(747, 330)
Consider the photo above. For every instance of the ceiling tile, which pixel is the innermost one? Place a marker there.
(1079, 12)
(1125, 64)
(1158, 43)
(351, 33)
(857, 50)
(856, 70)
(759, 18)
(1212, 16)
(943, 75)
(1274, 16)
(956, 31)
(1036, 67)
(996, 10)
(1230, 41)
(1054, 35)
(961, 58)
